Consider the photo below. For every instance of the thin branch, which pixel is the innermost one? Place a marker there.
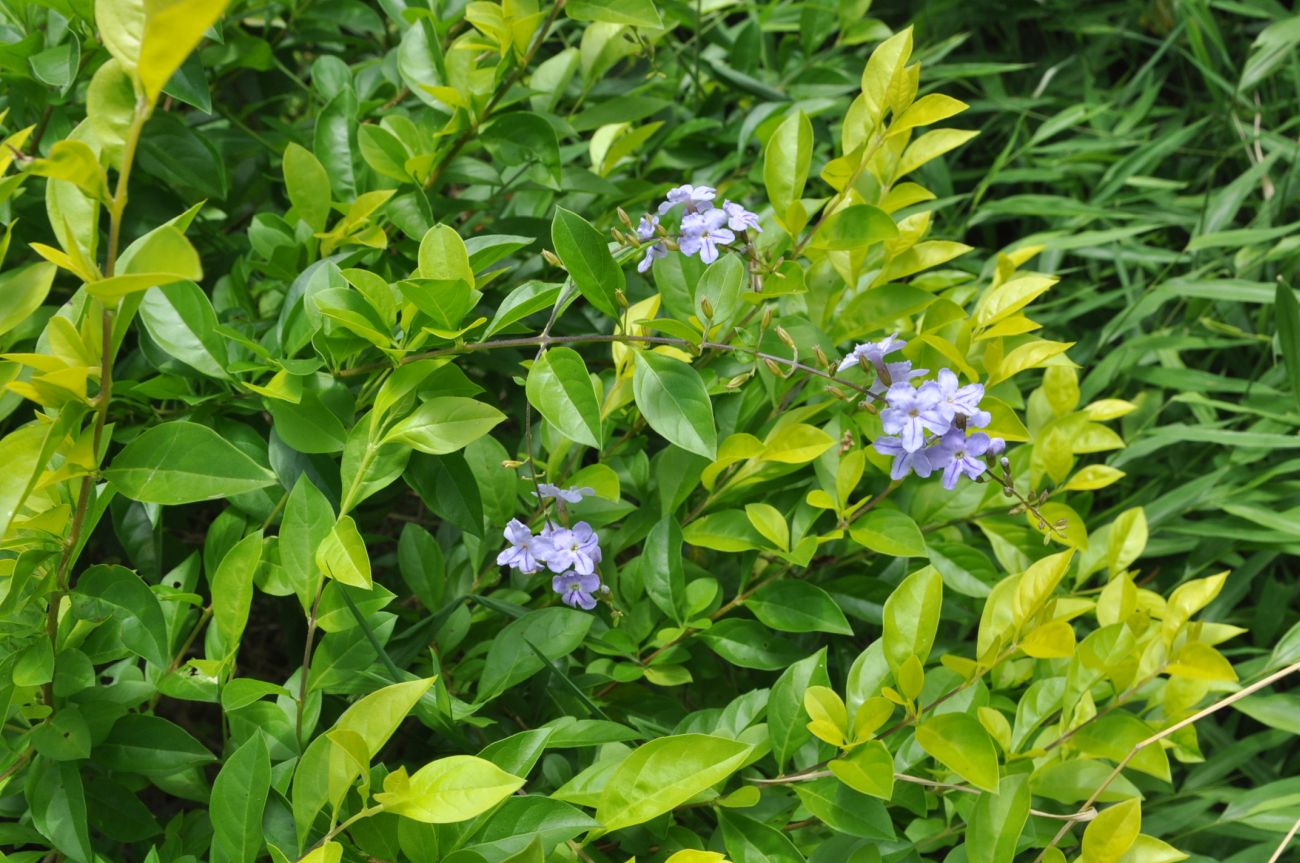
(503, 88)
(1161, 735)
(1286, 840)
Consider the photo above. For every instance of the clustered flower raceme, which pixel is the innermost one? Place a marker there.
(928, 427)
(704, 227)
(570, 552)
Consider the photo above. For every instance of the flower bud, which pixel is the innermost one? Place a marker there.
(837, 392)
(767, 319)
(738, 381)
(706, 307)
(785, 337)
(1006, 464)
(774, 368)
(821, 357)
(551, 258)
(620, 298)
(624, 217)
(512, 464)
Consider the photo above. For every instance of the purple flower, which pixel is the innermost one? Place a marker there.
(652, 254)
(912, 412)
(703, 232)
(904, 461)
(574, 494)
(646, 229)
(873, 352)
(576, 590)
(958, 454)
(694, 197)
(576, 548)
(962, 400)
(996, 446)
(740, 219)
(526, 553)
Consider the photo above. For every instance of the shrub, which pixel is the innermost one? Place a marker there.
(462, 515)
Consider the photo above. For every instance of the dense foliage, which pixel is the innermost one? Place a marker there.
(708, 430)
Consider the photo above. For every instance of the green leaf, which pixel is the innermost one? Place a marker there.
(750, 841)
(868, 768)
(960, 743)
(662, 572)
(560, 387)
(117, 592)
(150, 746)
(911, 617)
(308, 186)
(22, 291)
(930, 108)
(308, 519)
(748, 644)
(1109, 836)
(786, 721)
(786, 161)
(637, 13)
(883, 67)
(527, 299)
(797, 606)
(448, 790)
(238, 802)
(769, 522)
(556, 632)
(121, 25)
(1288, 334)
(443, 256)
(183, 462)
(342, 555)
(840, 807)
(722, 285)
(993, 829)
(672, 398)
(161, 257)
(585, 254)
(232, 589)
(445, 424)
(180, 319)
(889, 531)
(173, 28)
(58, 807)
(665, 773)
(724, 530)
(855, 228)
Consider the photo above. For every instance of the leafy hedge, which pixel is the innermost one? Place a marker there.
(524, 431)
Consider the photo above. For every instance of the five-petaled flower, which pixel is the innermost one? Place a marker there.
(740, 219)
(964, 401)
(693, 197)
(912, 412)
(576, 590)
(958, 454)
(526, 553)
(576, 548)
(703, 233)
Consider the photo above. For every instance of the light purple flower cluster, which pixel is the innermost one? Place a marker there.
(928, 427)
(570, 552)
(704, 227)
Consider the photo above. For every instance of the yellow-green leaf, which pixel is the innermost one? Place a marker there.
(172, 29)
(1109, 836)
(342, 555)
